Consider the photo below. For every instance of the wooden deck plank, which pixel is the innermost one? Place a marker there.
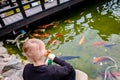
(63, 1)
(33, 10)
(50, 4)
(12, 19)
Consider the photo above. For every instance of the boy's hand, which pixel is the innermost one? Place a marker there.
(47, 52)
(51, 56)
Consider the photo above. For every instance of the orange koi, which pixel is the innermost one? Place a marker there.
(113, 75)
(35, 35)
(116, 73)
(45, 26)
(31, 36)
(99, 43)
(58, 35)
(50, 41)
(82, 40)
(40, 35)
(53, 41)
(56, 24)
(44, 35)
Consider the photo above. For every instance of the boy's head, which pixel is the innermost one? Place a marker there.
(34, 49)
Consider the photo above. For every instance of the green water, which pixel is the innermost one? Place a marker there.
(97, 23)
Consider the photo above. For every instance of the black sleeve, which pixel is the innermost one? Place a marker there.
(64, 68)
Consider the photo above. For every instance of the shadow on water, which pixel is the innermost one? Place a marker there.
(98, 23)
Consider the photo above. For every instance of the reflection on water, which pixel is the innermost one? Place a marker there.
(98, 23)
(112, 7)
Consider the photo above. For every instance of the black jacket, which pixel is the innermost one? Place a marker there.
(63, 71)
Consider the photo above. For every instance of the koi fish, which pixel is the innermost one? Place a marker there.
(44, 35)
(109, 45)
(102, 59)
(35, 35)
(45, 26)
(56, 23)
(40, 35)
(49, 62)
(53, 41)
(116, 73)
(39, 30)
(69, 57)
(58, 35)
(110, 74)
(99, 43)
(82, 40)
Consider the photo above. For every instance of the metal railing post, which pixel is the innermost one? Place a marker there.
(42, 4)
(30, 4)
(21, 8)
(11, 4)
(1, 22)
(58, 1)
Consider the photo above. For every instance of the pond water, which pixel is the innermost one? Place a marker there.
(89, 32)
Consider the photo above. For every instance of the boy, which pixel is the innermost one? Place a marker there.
(35, 51)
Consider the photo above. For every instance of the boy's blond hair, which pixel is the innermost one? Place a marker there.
(34, 49)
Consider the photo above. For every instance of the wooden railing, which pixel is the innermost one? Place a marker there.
(26, 16)
(19, 5)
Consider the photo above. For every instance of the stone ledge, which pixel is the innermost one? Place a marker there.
(80, 75)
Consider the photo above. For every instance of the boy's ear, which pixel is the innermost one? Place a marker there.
(45, 53)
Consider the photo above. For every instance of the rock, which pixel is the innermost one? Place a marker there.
(4, 55)
(2, 64)
(3, 52)
(13, 64)
(19, 73)
(80, 75)
(13, 74)
(9, 73)
(1, 44)
(11, 57)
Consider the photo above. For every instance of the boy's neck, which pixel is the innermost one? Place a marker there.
(38, 63)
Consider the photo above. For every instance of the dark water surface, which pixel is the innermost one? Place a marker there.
(97, 23)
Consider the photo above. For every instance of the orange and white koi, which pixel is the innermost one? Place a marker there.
(82, 40)
(35, 35)
(53, 41)
(58, 35)
(40, 35)
(102, 59)
(44, 35)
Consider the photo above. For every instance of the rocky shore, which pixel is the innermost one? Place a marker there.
(11, 66)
